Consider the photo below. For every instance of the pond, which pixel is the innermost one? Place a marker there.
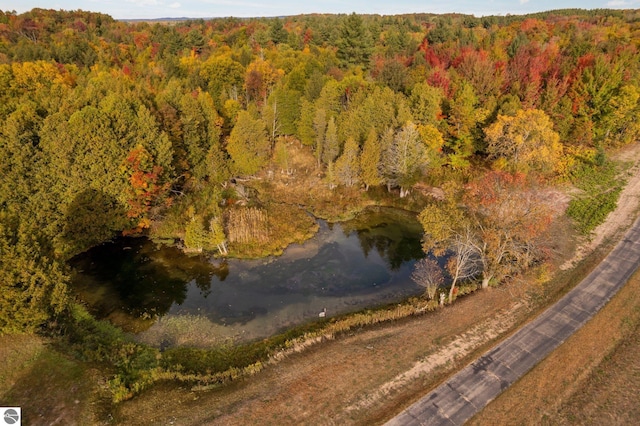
(168, 298)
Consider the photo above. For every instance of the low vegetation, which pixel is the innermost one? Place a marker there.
(221, 136)
(600, 186)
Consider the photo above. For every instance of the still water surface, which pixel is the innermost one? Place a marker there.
(168, 298)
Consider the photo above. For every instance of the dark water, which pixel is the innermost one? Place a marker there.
(167, 297)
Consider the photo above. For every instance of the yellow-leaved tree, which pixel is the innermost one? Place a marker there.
(526, 141)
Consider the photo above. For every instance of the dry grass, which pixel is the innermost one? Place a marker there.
(50, 388)
(268, 232)
(610, 394)
(324, 380)
(545, 394)
(317, 385)
(305, 186)
(17, 353)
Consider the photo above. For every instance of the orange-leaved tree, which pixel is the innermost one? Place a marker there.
(511, 217)
(495, 226)
(146, 186)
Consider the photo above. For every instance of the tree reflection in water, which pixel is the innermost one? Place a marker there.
(347, 266)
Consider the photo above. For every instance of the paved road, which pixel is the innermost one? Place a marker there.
(471, 389)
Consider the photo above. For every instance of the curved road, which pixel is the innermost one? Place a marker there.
(471, 389)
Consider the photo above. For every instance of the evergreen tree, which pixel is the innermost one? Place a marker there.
(347, 168)
(195, 235)
(370, 161)
(331, 146)
(277, 33)
(305, 130)
(354, 44)
(217, 235)
(248, 144)
(33, 287)
(320, 129)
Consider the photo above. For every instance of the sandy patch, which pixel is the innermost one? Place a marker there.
(460, 347)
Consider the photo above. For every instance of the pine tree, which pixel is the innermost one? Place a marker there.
(354, 44)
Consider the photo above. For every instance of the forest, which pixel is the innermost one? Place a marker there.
(220, 135)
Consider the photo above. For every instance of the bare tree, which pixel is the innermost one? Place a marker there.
(465, 262)
(428, 274)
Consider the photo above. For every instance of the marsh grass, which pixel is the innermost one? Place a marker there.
(283, 225)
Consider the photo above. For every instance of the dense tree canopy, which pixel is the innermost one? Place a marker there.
(108, 126)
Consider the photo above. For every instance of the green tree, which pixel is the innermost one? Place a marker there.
(248, 144)
(195, 235)
(393, 75)
(200, 134)
(620, 126)
(19, 139)
(224, 78)
(406, 159)
(313, 87)
(425, 102)
(347, 168)
(218, 236)
(462, 120)
(33, 287)
(370, 161)
(281, 112)
(331, 144)
(305, 130)
(320, 129)
(354, 44)
(277, 33)
(380, 108)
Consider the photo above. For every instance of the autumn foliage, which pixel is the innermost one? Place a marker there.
(110, 126)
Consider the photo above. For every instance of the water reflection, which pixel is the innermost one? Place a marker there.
(135, 277)
(393, 233)
(199, 300)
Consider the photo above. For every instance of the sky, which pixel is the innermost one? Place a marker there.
(147, 9)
